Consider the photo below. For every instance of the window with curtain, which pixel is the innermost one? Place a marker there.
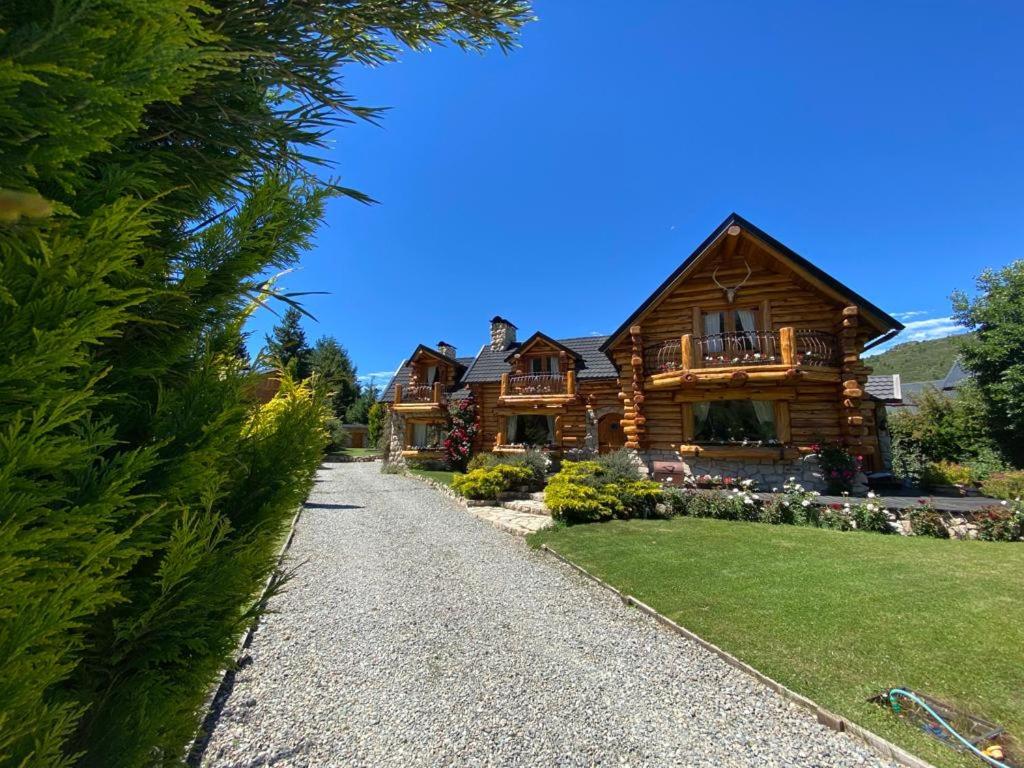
(426, 435)
(530, 429)
(734, 421)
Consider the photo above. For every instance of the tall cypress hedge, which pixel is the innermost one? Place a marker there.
(156, 163)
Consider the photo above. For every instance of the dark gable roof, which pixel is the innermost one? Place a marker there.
(735, 218)
(538, 336)
(592, 362)
(404, 372)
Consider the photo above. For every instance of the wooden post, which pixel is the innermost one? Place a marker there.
(438, 392)
(783, 430)
(698, 326)
(688, 425)
(398, 394)
(636, 436)
(686, 350)
(570, 382)
(504, 384)
(766, 315)
(787, 345)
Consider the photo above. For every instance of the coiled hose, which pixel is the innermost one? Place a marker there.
(893, 693)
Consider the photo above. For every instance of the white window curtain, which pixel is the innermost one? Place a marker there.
(431, 375)
(712, 326)
(765, 412)
(419, 435)
(745, 322)
(551, 430)
(553, 363)
(510, 430)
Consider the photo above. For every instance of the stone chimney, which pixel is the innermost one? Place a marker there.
(503, 334)
(446, 349)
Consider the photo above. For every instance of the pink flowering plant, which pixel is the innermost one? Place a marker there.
(462, 429)
(838, 466)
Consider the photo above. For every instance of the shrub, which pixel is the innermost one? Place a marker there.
(536, 461)
(838, 466)
(583, 491)
(488, 483)
(984, 464)
(870, 515)
(376, 422)
(836, 517)
(926, 521)
(677, 500)
(1004, 522)
(576, 502)
(619, 466)
(1004, 485)
(799, 505)
(462, 429)
(945, 473)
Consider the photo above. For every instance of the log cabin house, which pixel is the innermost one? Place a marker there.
(744, 358)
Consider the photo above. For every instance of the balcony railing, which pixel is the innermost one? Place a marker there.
(742, 349)
(817, 348)
(419, 395)
(537, 384)
(718, 350)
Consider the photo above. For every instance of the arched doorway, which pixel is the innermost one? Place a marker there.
(609, 433)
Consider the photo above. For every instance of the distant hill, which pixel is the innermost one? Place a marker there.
(918, 360)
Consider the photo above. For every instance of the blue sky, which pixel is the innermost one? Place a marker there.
(558, 186)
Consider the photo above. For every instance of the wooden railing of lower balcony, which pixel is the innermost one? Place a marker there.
(538, 384)
(425, 394)
(787, 348)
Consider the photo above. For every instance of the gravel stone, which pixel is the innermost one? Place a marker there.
(416, 634)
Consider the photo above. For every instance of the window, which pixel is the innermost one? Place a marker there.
(732, 336)
(530, 429)
(425, 435)
(734, 421)
(541, 365)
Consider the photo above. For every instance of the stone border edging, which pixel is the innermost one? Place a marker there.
(215, 701)
(882, 746)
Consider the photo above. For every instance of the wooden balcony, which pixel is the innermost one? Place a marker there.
(786, 355)
(537, 388)
(425, 399)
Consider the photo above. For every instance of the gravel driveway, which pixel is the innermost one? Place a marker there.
(414, 634)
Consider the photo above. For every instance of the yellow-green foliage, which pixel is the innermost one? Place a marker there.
(1004, 485)
(585, 491)
(945, 473)
(488, 483)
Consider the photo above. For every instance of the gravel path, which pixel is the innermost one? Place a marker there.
(415, 634)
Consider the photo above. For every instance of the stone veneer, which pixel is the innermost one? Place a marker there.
(766, 473)
(396, 439)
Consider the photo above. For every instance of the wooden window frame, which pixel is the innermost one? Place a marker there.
(783, 429)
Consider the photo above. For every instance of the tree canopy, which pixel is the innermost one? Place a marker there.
(995, 353)
(158, 160)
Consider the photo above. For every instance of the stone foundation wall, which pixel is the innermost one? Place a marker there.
(766, 473)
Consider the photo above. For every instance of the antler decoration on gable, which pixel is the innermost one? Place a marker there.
(730, 293)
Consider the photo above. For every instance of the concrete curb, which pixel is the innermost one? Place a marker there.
(830, 719)
(218, 697)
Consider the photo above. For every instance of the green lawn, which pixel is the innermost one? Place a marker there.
(834, 616)
(357, 453)
(439, 475)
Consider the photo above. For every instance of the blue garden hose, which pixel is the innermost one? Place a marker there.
(938, 718)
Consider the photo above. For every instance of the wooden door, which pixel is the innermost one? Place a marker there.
(609, 433)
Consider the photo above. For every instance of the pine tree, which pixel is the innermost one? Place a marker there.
(332, 362)
(287, 343)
